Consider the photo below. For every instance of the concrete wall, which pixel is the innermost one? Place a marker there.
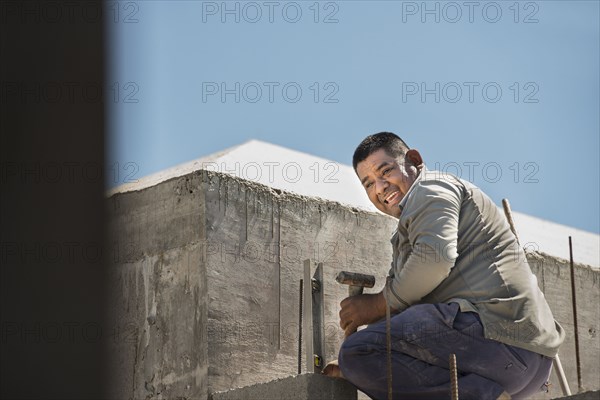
(205, 280)
(158, 298)
(257, 240)
(555, 281)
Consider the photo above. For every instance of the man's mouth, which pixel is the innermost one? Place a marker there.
(391, 197)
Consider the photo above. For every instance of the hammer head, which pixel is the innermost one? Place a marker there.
(356, 281)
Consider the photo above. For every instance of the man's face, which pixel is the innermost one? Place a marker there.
(387, 179)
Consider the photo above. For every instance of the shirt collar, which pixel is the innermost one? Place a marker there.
(412, 187)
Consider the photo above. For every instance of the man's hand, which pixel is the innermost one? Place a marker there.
(333, 370)
(361, 310)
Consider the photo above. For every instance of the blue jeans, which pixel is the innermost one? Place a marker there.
(423, 337)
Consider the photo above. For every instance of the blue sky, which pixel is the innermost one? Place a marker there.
(505, 94)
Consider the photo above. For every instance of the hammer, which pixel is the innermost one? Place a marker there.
(355, 281)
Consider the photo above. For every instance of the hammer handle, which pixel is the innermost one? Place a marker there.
(354, 291)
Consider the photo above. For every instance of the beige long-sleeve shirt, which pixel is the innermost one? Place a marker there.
(454, 245)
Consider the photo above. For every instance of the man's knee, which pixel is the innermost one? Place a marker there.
(350, 348)
(355, 350)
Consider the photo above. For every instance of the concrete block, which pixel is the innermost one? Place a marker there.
(595, 395)
(299, 387)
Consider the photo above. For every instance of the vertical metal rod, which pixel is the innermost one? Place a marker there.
(307, 319)
(300, 328)
(388, 339)
(575, 325)
(453, 377)
(562, 379)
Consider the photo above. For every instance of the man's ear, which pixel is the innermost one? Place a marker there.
(414, 157)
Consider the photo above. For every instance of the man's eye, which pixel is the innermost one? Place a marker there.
(385, 171)
(368, 185)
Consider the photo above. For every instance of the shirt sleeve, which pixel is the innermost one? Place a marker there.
(430, 221)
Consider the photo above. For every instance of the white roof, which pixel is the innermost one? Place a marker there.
(308, 175)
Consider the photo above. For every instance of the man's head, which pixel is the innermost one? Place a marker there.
(386, 168)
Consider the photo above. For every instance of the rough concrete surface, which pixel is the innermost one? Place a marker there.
(256, 243)
(299, 387)
(158, 293)
(555, 281)
(595, 395)
(205, 284)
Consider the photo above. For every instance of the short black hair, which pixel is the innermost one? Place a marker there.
(390, 142)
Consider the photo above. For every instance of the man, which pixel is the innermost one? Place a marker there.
(459, 283)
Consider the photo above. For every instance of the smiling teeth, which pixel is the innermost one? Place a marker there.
(390, 196)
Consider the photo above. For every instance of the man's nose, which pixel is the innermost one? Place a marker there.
(380, 186)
